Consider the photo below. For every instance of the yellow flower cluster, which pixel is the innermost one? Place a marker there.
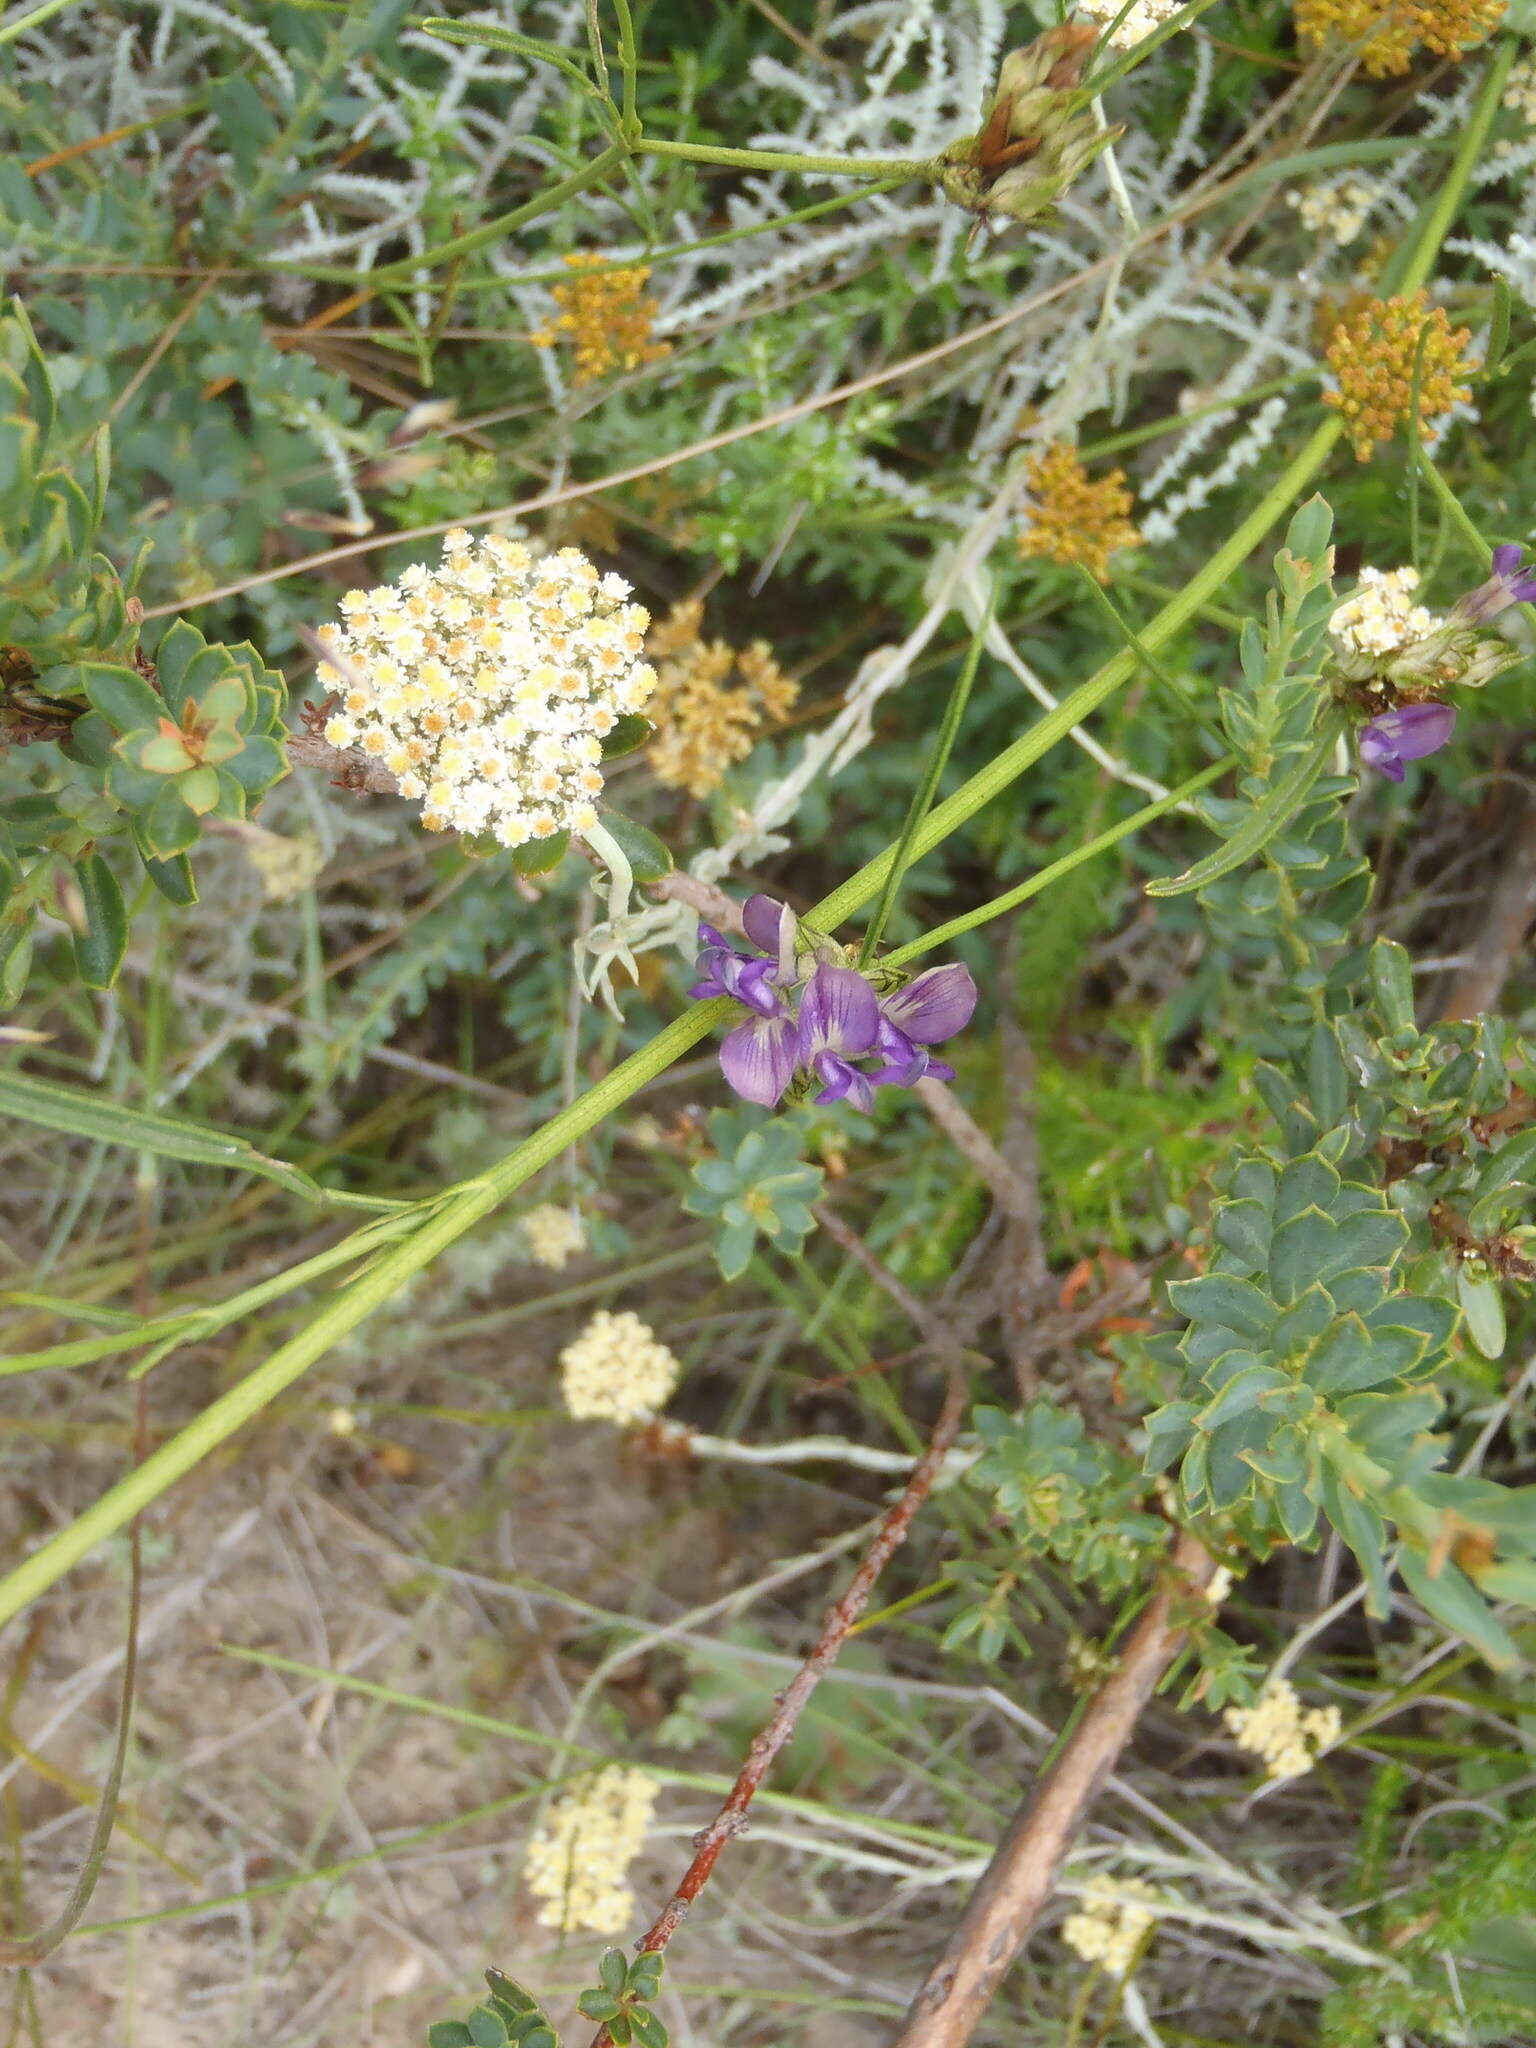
(617, 1370)
(486, 686)
(1279, 1730)
(1110, 1923)
(607, 313)
(1381, 617)
(705, 720)
(1371, 353)
(1139, 22)
(577, 1862)
(1387, 31)
(554, 1235)
(287, 867)
(1074, 518)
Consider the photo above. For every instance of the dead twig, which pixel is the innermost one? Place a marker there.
(1022, 1874)
(1009, 1192)
(731, 1819)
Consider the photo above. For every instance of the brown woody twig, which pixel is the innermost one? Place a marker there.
(731, 1819)
(1022, 1874)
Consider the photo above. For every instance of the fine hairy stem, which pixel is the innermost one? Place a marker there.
(841, 1617)
(1022, 1874)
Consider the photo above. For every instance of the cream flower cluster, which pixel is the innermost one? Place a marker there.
(1337, 211)
(554, 1235)
(1143, 17)
(578, 1860)
(1381, 617)
(486, 686)
(1110, 1925)
(1520, 92)
(617, 1370)
(1277, 1728)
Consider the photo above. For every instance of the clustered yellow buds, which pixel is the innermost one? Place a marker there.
(711, 701)
(553, 1235)
(1372, 352)
(1073, 517)
(1111, 1923)
(607, 314)
(617, 1370)
(577, 1862)
(1387, 32)
(1278, 1729)
(486, 687)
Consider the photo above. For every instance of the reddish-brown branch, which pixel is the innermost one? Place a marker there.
(1022, 1874)
(731, 1818)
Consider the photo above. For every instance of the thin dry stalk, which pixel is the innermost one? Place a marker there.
(1022, 1874)
(731, 1818)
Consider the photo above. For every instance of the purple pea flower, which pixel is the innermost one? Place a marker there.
(759, 1057)
(1512, 582)
(928, 1010)
(723, 971)
(1407, 733)
(839, 1023)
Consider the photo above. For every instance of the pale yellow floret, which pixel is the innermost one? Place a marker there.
(617, 1370)
(1287, 1737)
(1381, 618)
(1111, 1923)
(578, 1861)
(554, 1235)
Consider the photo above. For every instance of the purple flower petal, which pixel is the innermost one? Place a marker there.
(843, 1082)
(1512, 582)
(838, 1013)
(935, 1006)
(1507, 559)
(764, 919)
(758, 1058)
(1407, 733)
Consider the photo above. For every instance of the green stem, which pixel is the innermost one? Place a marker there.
(20, 24)
(1414, 258)
(778, 160)
(1456, 512)
(1001, 905)
(923, 795)
(494, 230)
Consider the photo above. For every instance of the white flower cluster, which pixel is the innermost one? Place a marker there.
(287, 867)
(554, 1235)
(486, 686)
(1520, 92)
(577, 1861)
(1277, 1728)
(1110, 1924)
(1337, 211)
(1141, 19)
(617, 1370)
(1381, 617)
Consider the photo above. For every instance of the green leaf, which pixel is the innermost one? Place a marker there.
(507, 1992)
(1482, 1305)
(167, 827)
(1222, 1298)
(99, 949)
(598, 2005)
(1303, 1247)
(613, 1971)
(173, 878)
(1264, 823)
(1307, 535)
(86, 1115)
(164, 753)
(487, 2029)
(642, 849)
(1243, 1229)
(1168, 1430)
(627, 735)
(1392, 977)
(198, 789)
(541, 856)
(649, 2031)
(1242, 1392)
(1450, 1596)
(1513, 1165)
(121, 695)
(645, 1973)
(449, 2034)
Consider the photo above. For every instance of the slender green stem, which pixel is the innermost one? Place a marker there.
(1456, 512)
(492, 230)
(1001, 905)
(780, 160)
(629, 60)
(1415, 256)
(923, 795)
(19, 24)
(1175, 422)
